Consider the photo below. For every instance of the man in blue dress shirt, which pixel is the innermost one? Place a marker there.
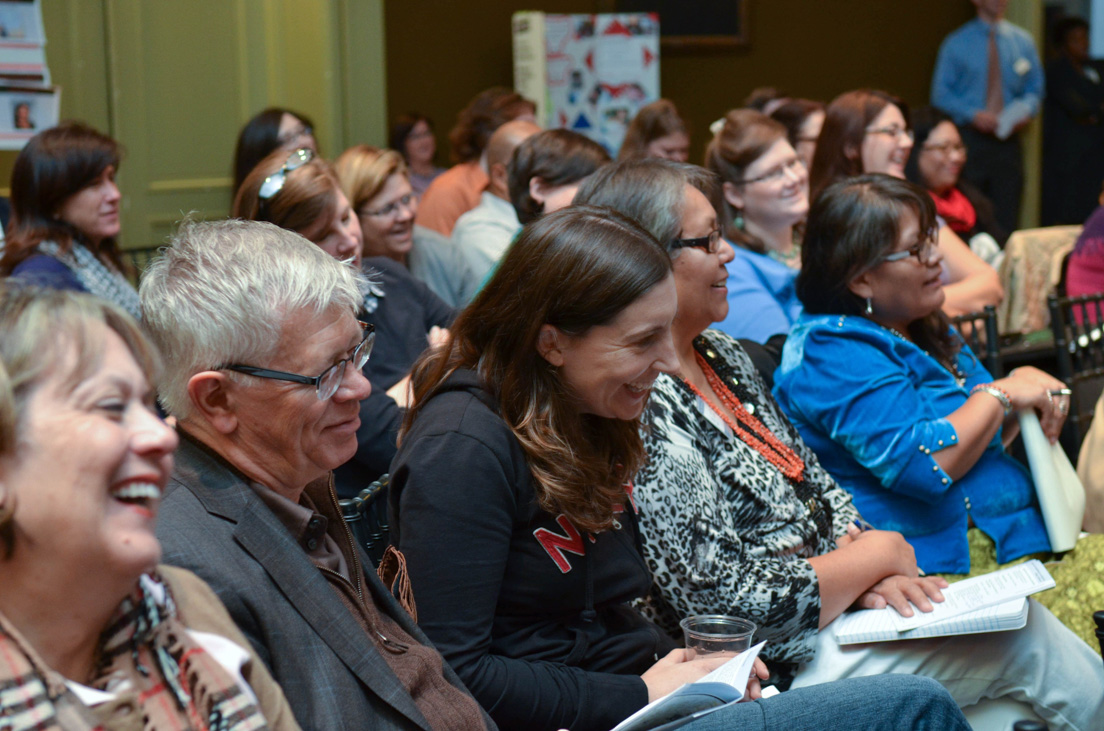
(988, 78)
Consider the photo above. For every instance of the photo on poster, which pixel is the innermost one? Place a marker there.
(24, 112)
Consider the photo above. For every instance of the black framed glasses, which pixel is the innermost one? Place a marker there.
(709, 243)
(327, 382)
(274, 183)
(922, 250)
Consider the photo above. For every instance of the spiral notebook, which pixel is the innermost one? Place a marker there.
(872, 625)
(989, 603)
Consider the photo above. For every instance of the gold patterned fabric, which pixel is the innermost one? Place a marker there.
(1078, 577)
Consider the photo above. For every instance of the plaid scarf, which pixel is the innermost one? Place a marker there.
(145, 652)
(100, 279)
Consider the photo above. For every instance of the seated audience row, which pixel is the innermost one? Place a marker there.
(738, 516)
(538, 400)
(241, 506)
(524, 466)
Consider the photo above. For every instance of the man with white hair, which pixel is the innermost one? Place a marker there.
(263, 358)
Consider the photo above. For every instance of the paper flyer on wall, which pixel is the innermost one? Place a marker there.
(28, 101)
(587, 73)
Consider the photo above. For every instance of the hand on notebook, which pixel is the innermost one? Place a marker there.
(677, 668)
(902, 592)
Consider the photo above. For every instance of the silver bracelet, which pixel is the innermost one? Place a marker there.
(996, 392)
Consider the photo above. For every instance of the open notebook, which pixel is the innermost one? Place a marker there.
(872, 625)
(988, 603)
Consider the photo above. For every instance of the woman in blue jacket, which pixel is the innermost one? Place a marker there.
(895, 405)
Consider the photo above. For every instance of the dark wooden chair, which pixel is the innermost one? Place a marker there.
(366, 516)
(1098, 617)
(1078, 327)
(979, 330)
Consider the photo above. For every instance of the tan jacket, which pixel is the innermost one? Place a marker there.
(199, 609)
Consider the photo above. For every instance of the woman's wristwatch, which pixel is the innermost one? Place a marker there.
(996, 392)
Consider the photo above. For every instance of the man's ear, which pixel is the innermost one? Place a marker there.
(212, 397)
(537, 189)
(732, 195)
(548, 345)
(500, 177)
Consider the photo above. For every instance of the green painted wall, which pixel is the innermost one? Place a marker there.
(174, 82)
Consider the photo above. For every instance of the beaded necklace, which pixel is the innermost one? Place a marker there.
(748, 428)
(959, 376)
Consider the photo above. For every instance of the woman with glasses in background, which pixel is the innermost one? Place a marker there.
(272, 129)
(936, 164)
(894, 403)
(301, 193)
(866, 131)
(377, 183)
(764, 196)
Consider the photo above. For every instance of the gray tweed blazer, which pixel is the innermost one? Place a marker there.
(212, 523)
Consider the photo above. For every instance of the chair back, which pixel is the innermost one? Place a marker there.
(1031, 269)
(979, 330)
(1098, 618)
(1078, 327)
(366, 516)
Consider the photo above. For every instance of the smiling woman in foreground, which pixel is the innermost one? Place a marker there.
(89, 626)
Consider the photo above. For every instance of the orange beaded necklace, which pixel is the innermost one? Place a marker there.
(755, 435)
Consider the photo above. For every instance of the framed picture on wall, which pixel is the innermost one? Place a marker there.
(699, 24)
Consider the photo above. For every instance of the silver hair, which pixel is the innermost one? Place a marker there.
(221, 292)
(649, 190)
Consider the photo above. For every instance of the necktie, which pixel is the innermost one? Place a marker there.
(994, 98)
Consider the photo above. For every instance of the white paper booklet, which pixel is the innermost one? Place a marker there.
(874, 625)
(979, 592)
(720, 688)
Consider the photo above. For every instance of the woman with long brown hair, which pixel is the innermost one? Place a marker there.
(513, 495)
(65, 215)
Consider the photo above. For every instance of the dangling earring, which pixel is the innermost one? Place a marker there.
(738, 220)
(869, 307)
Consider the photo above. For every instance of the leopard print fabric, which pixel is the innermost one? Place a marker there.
(723, 530)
